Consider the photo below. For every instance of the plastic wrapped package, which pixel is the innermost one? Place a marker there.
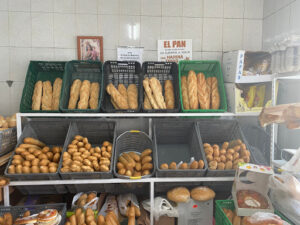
(124, 202)
(260, 218)
(92, 203)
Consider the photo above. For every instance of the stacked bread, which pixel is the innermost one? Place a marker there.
(46, 97)
(199, 92)
(123, 98)
(153, 94)
(7, 122)
(84, 95)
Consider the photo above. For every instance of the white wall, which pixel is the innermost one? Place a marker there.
(280, 17)
(47, 30)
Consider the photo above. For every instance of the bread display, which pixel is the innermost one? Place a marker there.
(47, 96)
(84, 95)
(159, 97)
(228, 156)
(82, 157)
(33, 156)
(120, 98)
(183, 166)
(56, 93)
(7, 122)
(135, 164)
(199, 92)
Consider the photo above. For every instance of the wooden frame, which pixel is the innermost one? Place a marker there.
(98, 55)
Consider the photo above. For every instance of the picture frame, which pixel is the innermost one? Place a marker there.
(90, 48)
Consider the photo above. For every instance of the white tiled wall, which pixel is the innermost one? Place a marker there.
(47, 30)
(280, 17)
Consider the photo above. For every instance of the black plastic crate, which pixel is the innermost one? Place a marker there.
(162, 71)
(121, 72)
(82, 70)
(97, 131)
(18, 211)
(133, 141)
(175, 141)
(217, 131)
(53, 133)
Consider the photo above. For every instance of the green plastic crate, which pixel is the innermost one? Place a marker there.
(209, 68)
(39, 70)
(82, 70)
(221, 218)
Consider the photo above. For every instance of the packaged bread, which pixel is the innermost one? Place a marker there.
(94, 95)
(37, 96)
(132, 95)
(119, 100)
(56, 93)
(184, 93)
(202, 194)
(202, 90)
(192, 89)
(146, 85)
(215, 96)
(84, 94)
(179, 194)
(74, 94)
(169, 94)
(157, 92)
(47, 96)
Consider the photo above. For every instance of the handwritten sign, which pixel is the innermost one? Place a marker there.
(174, 50)
(130, 54)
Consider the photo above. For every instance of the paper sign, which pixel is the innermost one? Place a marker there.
(130, 54)
(174, 50)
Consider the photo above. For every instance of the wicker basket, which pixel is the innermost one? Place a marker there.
(8, 140)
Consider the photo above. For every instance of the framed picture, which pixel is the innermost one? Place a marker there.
(90, 48)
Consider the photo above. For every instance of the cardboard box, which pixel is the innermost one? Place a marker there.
(165, 220)
(247, 67)
(195, 213)
(257, 179)
(237, 95)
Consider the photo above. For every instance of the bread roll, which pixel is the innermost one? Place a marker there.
(202, 194)
(47, 96)
(169, 94)
(74, 94)
(84, 94)
(179, 194)
(94, 95)
(192, 89)
(117, 97)
(184, 93)
(203, 96)
(157, 92)
(215, 96)
(37, 96)
(146, 84)
(56, 93)
(132, 93)
(147, 104)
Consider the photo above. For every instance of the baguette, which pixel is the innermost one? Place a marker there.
(203, 97)
(114, 103)
(169, 94)
(208, 85)
(37, 96)
(116, 96)
(74, 94)
(56, 93)
(132, 93)
(94, 95)
(157, 92)
(192, 89)
(215, 96)
(147, 104)
(84, 95)
(184, 92)
(146, 84)
(123, 91)
(47, 96)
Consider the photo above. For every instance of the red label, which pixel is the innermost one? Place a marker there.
(195, 206)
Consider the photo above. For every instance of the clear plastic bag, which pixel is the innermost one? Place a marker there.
(124, 200)
(261, 217)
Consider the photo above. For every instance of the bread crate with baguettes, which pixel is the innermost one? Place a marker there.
(201, 87)
(178, 149)
(161, 89)
(37, 155)
(82, 87)
(123, 86)
(42, 89)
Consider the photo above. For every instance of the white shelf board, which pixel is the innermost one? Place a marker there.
(118, 181)
(150, 115)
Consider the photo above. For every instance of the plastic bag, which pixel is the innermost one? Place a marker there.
(91, 204)
(260, 217)
(293, 165)
(109, 205)
(161, 207)
(124, 200)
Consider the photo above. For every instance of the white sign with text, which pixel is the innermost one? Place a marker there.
(174, 50)
(130, 54)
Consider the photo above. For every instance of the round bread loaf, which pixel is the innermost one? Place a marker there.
(179, 194)
(202, 194)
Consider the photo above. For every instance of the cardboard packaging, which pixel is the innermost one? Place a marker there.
(247, 67)
(257, 179)
(195, 213)
(165, 220)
